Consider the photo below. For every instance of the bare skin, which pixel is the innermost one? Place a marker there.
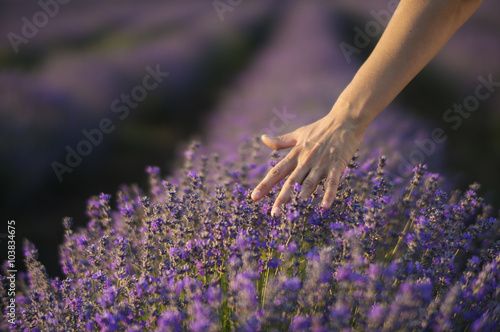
(321, 150)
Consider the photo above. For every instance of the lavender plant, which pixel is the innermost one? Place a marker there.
(196, 253)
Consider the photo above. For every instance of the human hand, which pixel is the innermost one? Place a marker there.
(320, 150)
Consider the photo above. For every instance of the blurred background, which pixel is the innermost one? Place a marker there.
(234, 71)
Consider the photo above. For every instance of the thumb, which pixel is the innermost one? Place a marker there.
(280, 142)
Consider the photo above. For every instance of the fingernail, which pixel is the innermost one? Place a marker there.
(256, 194)
(275, 212)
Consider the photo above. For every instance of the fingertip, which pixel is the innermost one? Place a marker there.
(275, 212)
(331, 191)
(256, 195)
(304, 195)
(268, 140)
(266, 137)
(326, 204)
(278, 142)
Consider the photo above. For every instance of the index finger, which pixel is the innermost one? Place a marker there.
(275, 175)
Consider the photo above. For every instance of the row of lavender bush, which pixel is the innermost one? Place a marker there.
(196, 253)
(64, 79)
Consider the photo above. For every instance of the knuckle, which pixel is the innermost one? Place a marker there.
(309, 156)
(332, 181)
(335, 158)
(338, 160)
(308, 184)
(262, 188)
(276, 171)
(290, 160)
(331, 151)
(310, 149)
(293, 153)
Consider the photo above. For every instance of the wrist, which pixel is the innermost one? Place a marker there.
(350, 114)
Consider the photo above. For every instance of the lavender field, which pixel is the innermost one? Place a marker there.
(123, 223)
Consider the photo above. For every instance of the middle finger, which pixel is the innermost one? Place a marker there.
(286, 192)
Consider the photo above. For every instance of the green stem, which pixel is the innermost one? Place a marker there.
(408, 225)
(264, 288)
(281, 255)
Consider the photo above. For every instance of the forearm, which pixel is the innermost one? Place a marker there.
(322, 150)
(416, 33)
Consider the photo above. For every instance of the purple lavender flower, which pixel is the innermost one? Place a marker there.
(196, 253)
(169, 321)
(300, 323)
